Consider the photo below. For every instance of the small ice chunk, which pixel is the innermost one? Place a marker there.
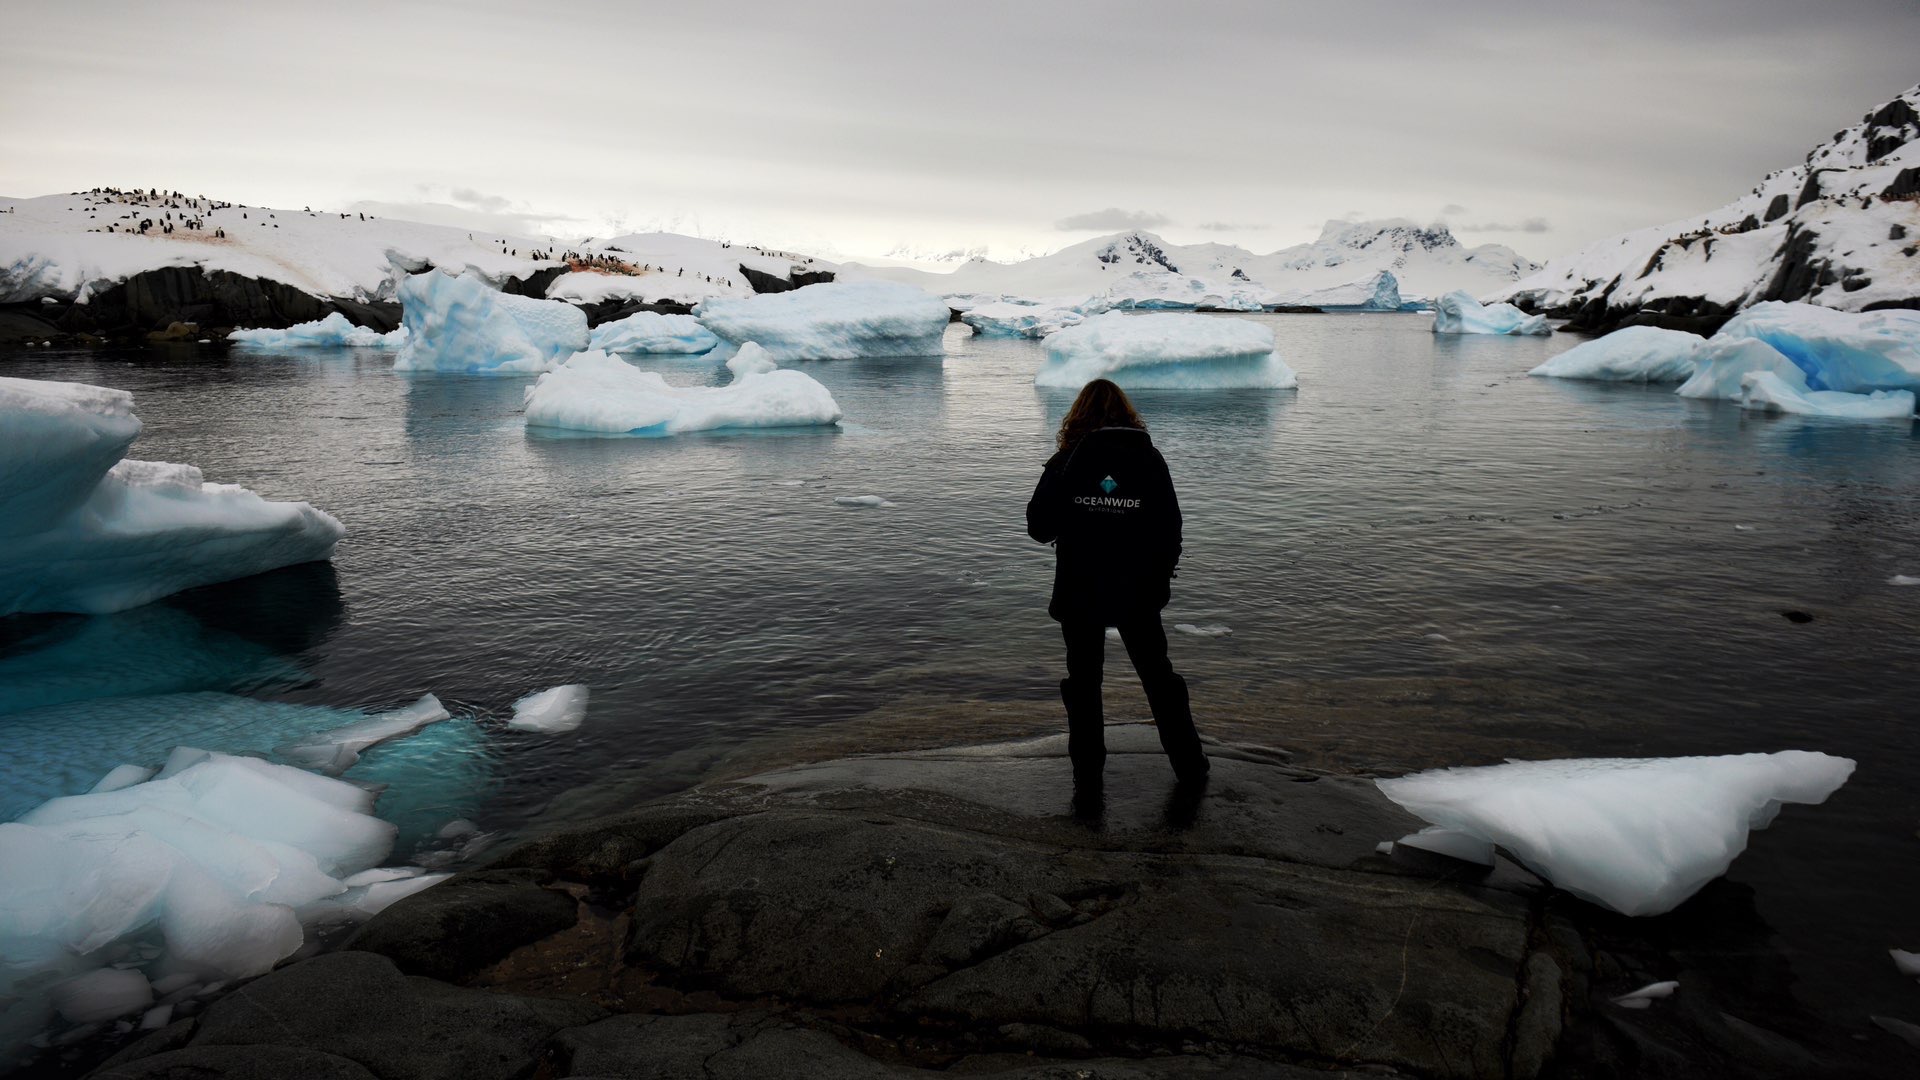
(1209, 630)
(156, 1018)
(1384, 847)
(1631, 354)
(122, 776)
(101, 994)
(1638, 835)
(1645, 996)
(1436, 636)
(1459, 313)
(384, 894)
(561, 708)
(863, 500)
(334, 752)
(750, 359)
(1165, 352)
(379, 874)
(1905, 962)
(1903, 579)
(456, 829)
(1452, 843)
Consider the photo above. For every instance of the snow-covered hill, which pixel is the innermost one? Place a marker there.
(1136, 268)
(71, 249)
(1838, 229)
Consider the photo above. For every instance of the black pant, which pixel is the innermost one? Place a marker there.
(1146, 643)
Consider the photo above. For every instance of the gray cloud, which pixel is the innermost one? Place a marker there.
(1228, 226)
(1112, 219)
(478, 200)
(1528, 225)
(1451, 209)
(515, 223)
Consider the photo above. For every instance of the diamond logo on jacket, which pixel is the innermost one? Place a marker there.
(1108, 485)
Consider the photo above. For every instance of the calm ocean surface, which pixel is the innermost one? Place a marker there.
(1424, 557)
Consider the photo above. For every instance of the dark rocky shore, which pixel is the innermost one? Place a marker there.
(898, 915)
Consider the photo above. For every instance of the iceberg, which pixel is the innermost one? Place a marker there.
(836, 320)
(1381, 292)
(334, 331)
(1631, 354)
(750, 359)
(461, 324)
(1856, 352)
(1723, 363)
(213, 859)
(82, 529)
(1008, 318)
(1766, 391)
(1167, 351)
(563, 708)
(1637, 835)
(652, 332)
(1158, 290)
(597, 392)
(1459, 313)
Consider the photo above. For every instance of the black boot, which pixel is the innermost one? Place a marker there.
(1086, 732)
(1173, 716)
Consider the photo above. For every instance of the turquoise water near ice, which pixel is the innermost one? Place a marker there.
(1418, 509)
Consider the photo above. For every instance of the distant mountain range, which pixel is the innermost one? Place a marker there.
(1141, 269)
(1839, 229)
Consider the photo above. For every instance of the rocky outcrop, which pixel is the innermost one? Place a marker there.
(796, 278)
(956, 912)
(214, 301)
(607, 311)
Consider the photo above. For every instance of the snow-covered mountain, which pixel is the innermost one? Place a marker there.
(1839, 229)
(265, 266)
(1140, 268)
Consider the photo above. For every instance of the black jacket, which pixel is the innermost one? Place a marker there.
(1107, 505)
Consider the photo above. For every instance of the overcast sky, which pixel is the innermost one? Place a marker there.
(856, 127)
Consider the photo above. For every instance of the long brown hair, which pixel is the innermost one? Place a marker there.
(1101, 404)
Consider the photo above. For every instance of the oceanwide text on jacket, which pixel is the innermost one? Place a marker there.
(1108, 507)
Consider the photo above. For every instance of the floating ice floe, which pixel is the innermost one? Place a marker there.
(1209, 630)
(1170, 351)
(1647, 995)
(869, 501)
(1636, 835)
(652, 332)
(461, 324)
(1766, 391)
(836, 320)
(563, 708)
(334, 752)
(597, 392)
(1903, 579)
(1007, 318)
(1631, 354)
(218, 859)
(83, 530)
(1459, 313)
(750, 359)
(1855, 352)
(334, 331)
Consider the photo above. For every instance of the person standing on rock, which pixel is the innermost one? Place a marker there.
(1107, 505)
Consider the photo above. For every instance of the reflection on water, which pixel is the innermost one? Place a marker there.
(1605, 566)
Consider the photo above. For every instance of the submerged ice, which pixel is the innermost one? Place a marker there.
(461, 324)
(1165, 351)
(596, 392)
(83, 529)
(1638, 836)
(837, 320)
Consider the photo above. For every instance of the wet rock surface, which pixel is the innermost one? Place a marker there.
(953, 911)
